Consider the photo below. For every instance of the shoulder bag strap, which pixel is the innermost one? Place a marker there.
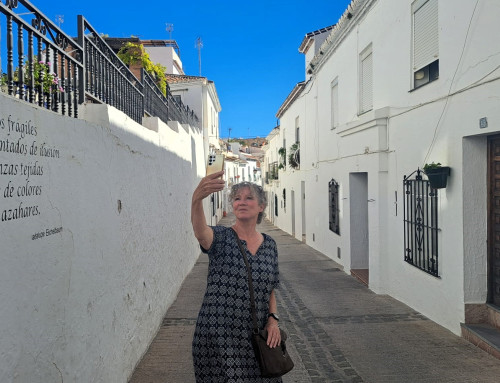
(250, 283)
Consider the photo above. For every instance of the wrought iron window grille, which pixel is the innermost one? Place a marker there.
(273, 171)
(284, 200)
(333, 205)
(420, 205)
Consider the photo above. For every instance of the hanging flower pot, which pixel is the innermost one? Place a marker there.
(437, 175)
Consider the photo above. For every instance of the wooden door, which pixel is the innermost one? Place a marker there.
(494, 221)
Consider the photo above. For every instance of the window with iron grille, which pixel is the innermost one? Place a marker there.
(421, 224)
(425, 42)
(273, 171)
(333, 202)
(284, 200)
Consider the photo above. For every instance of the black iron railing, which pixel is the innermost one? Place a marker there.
(421, 224)
(106, 78)
(192, 119)
(273, 171)
(44, 66)
(333, 206)
(175, 110)
(155, 102)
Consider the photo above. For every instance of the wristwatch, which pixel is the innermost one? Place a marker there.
(273, 315)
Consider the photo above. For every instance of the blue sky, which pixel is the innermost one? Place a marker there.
(250, 48)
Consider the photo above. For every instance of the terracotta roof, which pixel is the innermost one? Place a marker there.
(177, 78)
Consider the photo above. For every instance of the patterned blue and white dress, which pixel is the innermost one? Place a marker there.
(222, 349)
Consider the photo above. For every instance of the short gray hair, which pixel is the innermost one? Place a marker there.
(256, 190)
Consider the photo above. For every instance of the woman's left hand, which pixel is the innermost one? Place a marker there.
(273, 333)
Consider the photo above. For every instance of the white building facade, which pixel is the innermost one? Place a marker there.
(238, 167)
(201, 96)
(165, 52)
(395, 85)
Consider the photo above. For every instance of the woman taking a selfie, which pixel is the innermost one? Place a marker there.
(222, 348)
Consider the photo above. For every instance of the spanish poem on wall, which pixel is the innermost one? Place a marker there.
(22, 167)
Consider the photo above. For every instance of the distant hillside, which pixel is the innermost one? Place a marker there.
(256, 142)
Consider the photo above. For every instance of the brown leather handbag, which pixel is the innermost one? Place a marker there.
(273, 362)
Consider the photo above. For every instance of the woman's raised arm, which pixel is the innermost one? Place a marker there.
(208, 185)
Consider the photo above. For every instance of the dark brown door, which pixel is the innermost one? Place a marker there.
(494, 221)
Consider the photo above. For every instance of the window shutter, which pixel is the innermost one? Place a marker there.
(297, 129)
(425, 33)
(334, 105)
(366, 102)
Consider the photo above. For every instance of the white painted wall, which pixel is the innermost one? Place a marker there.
(83, 303)
(166, 56)
(201, 97)
(438, 122)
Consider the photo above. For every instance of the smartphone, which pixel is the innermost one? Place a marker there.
(215, 163)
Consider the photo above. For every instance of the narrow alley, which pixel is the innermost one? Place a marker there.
(339, 330)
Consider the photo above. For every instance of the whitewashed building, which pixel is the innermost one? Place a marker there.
(196, 92)
(95, 229)
(166, 52)
(200, 95)
(395, 85)
(238, 167)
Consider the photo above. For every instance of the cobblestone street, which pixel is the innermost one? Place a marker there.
(339, 331)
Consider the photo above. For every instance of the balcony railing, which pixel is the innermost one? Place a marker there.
(42, 65)
(273, 171)
(106, 78)
(155, 103)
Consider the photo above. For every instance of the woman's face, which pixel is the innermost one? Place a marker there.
(246, 205)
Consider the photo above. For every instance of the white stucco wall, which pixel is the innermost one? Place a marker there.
(87, 276)
(201, 97)
(438, 122)
(165, 56)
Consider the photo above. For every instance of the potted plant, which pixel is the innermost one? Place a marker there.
(46, 83)
(437, 174)
(135, 56)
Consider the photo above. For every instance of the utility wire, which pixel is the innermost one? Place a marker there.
(434, 137)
